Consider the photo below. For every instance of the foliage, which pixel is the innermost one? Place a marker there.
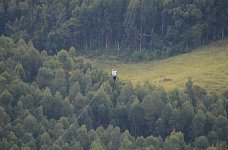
(155, 26)
(40, 112)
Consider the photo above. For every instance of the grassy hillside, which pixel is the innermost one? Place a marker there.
(207, 66)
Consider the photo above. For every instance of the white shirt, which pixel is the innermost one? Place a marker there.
(114, 73)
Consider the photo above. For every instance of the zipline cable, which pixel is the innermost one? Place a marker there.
(27, 112)
(127, 26)
(18, 118)
(73, 122)
(128, 23)
(21, 116)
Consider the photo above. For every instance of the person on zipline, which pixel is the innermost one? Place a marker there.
(114, 74)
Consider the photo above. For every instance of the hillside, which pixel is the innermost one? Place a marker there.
(207, 66)
(56, 91)
(59, 102)
(154, 25)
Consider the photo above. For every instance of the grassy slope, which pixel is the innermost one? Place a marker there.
(207, 66)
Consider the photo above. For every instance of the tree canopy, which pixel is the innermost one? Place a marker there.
(159, 27)
(40, 100)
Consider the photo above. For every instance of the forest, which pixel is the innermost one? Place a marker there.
(160, 28)
(43, 96)
(50, 99)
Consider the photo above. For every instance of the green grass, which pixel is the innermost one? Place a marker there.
(207, 66)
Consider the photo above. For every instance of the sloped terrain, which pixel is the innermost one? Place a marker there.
(207, 66)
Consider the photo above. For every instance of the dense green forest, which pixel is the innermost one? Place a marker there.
(51, 99)
(159, 27)
(60, 102)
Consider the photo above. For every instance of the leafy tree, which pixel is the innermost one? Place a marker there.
(4, 144)
(19, 130)
(125, 93)
(78, 146)
(136, 121)
(64, 58)
(30, 123)
(83, 137)
(159, 127)
(218, 108)
(3, 83)
(154, 142)
(198, 124)
(74, 90)
(44, 77)
(113, 137)
(152, 107)
(101, 108)
(52, 105)
(201, 142)
(67, 109)
(209, 121)
(29, 140)
(175, 98)
(12, 141)
(126, 141)
(166, 115)
(78, 102)
(38, 113)
(45, 139)
(212, 137)
(221, 127)
(211, 148)
(140, 142)
(4, 117)
(175, 120)
(187, 114)
(121, 116)
(96, 145)
(27, 100)
(174, 141)
(19, 70)
(85, 84)
(142, 90)
(6, 98)
(17, 88)
(190, 91)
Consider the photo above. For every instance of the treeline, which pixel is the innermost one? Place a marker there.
(162, 27)
(41, 96)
